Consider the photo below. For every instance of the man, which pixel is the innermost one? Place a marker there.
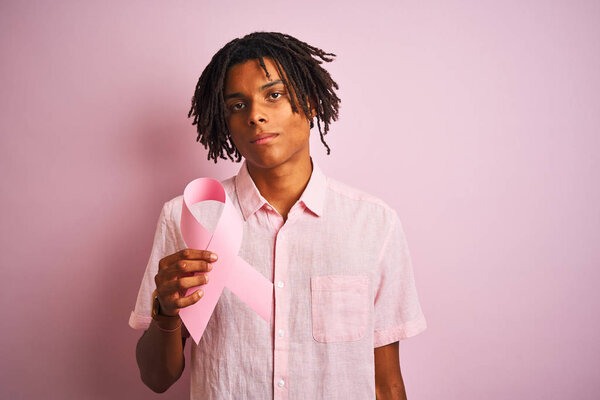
(344, 291)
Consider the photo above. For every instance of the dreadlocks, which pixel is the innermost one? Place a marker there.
(308, 83)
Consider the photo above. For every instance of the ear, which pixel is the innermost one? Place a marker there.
(313, 112)
(312, 106)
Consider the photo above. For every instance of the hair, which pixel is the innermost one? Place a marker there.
(299, 66)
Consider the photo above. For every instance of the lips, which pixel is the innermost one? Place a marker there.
(264, 138)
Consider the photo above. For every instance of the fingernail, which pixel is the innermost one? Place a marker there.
(210, 267)
(199, 292)
(213, 256)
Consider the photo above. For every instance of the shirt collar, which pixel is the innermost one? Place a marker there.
(251, 200)
(313, 196)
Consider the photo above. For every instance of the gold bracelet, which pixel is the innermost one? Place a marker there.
(168, 330)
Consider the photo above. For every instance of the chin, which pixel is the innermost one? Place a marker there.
(263, 163)
(264, 159)
(275, 157)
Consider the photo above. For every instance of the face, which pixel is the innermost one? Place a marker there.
(262, 124)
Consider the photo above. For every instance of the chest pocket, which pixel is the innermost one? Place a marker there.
(339, 307)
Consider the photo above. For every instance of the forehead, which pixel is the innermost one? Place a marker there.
(249, 75)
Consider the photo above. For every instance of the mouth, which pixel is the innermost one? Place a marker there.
(264, 138)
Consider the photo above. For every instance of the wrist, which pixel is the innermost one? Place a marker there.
(166, 323)
(173, 324)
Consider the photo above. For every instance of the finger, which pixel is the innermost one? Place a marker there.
(183, 268)
(193, 298)
(163, 276)
(169, 293)
(187, 254)
(168, 280)
(181, 285)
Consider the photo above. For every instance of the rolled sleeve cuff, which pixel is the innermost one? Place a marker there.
(137, 321)
(387, 336)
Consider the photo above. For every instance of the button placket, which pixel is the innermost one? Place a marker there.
(282, 305)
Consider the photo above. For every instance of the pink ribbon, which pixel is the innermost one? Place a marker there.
(229, 270)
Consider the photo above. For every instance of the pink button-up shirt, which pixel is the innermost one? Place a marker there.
(343, 284)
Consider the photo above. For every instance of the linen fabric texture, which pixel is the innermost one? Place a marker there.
(343, 285)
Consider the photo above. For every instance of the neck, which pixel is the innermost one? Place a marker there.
(282, 186)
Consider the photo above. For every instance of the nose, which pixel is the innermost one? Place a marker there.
(256, 115)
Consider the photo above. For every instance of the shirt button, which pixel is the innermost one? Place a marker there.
(280, 284)
(280, 332)
(281, 383)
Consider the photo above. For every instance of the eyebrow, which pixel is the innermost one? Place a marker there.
(263, 87)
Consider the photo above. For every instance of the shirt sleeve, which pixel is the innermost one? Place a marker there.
(164, 244)
(397, 312)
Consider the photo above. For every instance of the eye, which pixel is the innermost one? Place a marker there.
(275, 95)
(237, 106)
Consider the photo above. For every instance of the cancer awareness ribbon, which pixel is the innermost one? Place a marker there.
(229, 270)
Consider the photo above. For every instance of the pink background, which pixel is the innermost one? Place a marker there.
(477, 120)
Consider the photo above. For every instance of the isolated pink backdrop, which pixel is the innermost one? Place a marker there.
(478, 121)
